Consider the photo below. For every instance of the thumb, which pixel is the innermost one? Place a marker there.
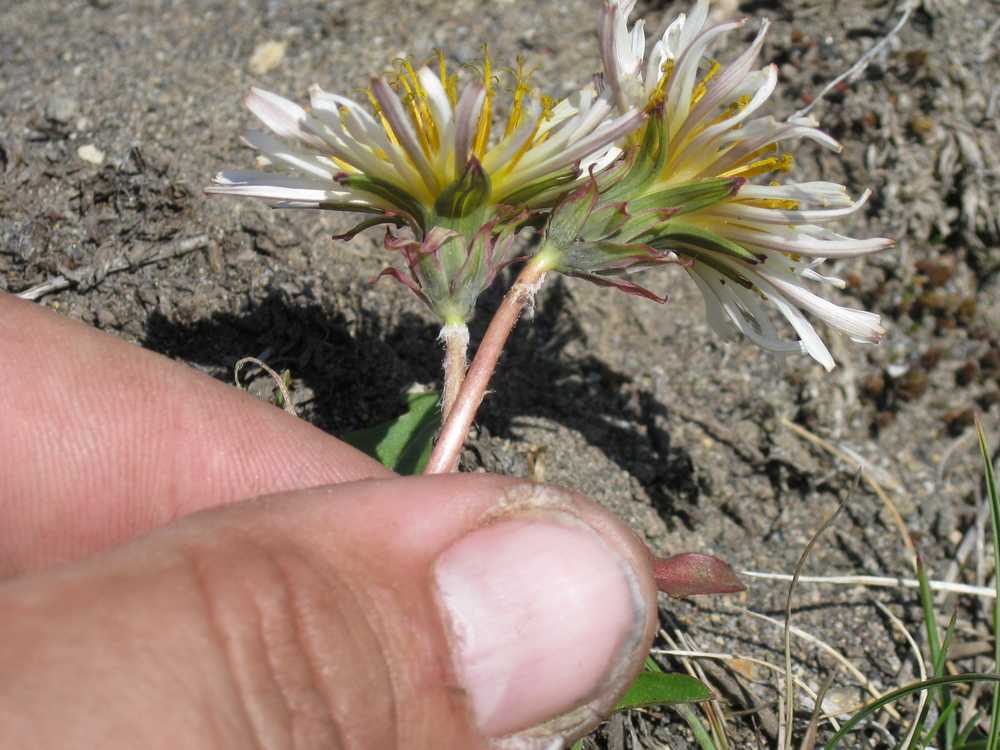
(427, 612)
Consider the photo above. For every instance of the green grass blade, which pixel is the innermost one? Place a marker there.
(942, 696)
(965, 732)
(402, 444)
(936, 727)
(930, 619)
(950, 720)
(895, 695)
(701, 735)
(945, 645)
(663, 689)
(993, 740)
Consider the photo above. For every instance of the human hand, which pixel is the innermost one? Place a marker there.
(147, 604)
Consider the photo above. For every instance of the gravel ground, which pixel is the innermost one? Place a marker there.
(116, 114)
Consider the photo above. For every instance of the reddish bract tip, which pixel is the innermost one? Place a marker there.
(690, 574)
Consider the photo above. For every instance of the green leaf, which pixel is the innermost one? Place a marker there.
(662, 689)
(402, 444)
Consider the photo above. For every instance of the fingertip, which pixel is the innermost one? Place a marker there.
(550, 610)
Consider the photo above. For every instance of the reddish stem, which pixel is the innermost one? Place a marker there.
(444, 458)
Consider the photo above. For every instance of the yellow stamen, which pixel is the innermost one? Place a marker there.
(378, 111)
(343, 165)
(529, 144)
(450, 84)
(521, 90)
(733, 109)
(699, 90)
(482, 138)
(785, 204)
(661, 86)
(420, 112)
(781, 163)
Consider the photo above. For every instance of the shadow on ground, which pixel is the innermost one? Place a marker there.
(353, 372)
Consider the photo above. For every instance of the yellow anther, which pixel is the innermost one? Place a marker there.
(699, 90)
(450, 83)
(780, 163)
(785, 204)
(378, 111)
(548, 104)
(667, 70)
(522, 88)
(343, 166)
(482, 138)
(414, 98)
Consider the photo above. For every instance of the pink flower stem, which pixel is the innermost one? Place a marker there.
(458, 420)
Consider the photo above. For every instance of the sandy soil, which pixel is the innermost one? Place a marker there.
(689, 438)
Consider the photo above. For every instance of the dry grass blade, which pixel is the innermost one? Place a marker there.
(713, 709)
(92, 275)
(861, 64)
(890, 506)
(279, 382)
(879, 581)
(830, 650)
(809, 739)
(789, 691)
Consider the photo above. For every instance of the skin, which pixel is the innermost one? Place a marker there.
(148, 603)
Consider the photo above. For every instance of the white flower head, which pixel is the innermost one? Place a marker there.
(405, 155)
(755, 245)
(424, 156)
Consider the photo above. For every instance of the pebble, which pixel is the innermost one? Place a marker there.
(60, 108)
(267, 56)
(90, 154)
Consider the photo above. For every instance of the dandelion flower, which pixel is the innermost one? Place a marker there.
(747, 244)
(424, 156)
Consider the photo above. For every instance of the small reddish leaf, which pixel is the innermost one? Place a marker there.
(690, 573)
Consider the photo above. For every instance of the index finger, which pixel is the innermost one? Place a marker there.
(101, 440)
